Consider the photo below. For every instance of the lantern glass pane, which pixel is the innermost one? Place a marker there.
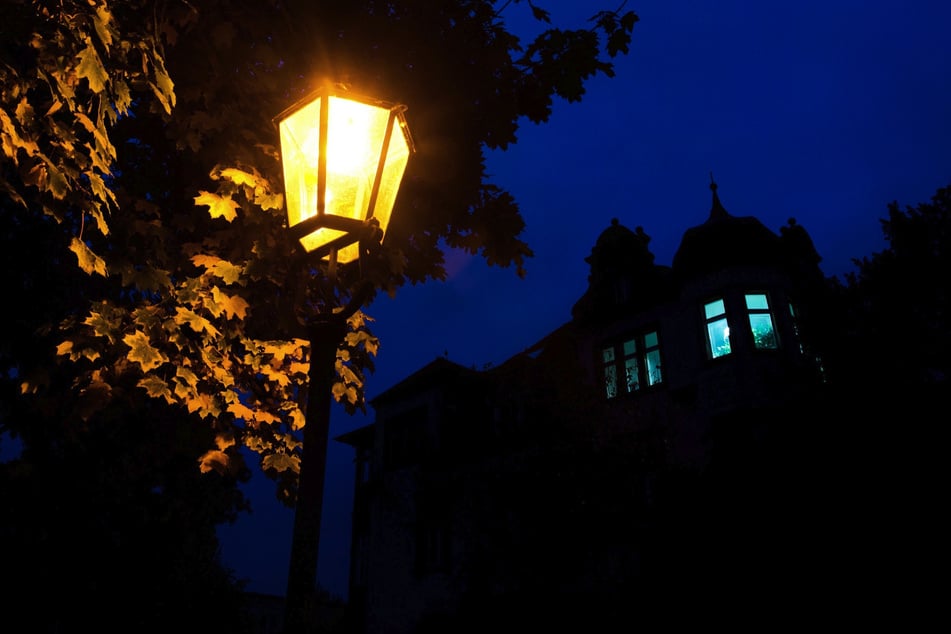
(300, 149)
(393, 168)
(355, 137)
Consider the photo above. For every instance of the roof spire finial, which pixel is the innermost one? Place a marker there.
(716, 210)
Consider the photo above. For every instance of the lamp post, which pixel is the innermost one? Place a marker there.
(343, 159)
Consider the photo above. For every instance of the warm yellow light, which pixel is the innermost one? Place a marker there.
(356, 151)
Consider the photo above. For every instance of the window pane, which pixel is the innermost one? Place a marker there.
(630, 347)
(714, 308)
(610, 381)
(757, 301)
(630, 375)
(719, 334)
(764, 335)
(607, 355)
(653, 367)
(650, 340)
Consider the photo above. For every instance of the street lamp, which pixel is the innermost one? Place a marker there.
(343, 158)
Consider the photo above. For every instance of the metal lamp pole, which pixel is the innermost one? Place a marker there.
(326, 332)
(343, 159)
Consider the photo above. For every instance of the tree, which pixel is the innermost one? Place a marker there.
(138, 135)
(888, 365)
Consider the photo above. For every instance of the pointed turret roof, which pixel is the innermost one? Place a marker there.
(725, 240)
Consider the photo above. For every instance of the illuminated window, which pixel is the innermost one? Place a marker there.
(631, 364)
(761, 322)
(652, 358)
(718, 329)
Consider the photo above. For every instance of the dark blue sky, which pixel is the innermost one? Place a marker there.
(821, 111)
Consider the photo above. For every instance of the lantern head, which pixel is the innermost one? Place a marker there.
(343, 160)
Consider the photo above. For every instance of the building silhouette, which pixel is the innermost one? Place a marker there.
(654, 452)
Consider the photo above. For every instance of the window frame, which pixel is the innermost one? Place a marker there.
(754, 314)
(619, 355)
(714, 320)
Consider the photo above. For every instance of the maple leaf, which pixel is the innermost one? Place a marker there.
(268, 201)
(88, 261)
(239, 177)
(204, 404)
(266, 417)
(56, 183)
(189, 377)
(90, 67)
(347, 374)
(298, 420)
(123, 98)
(142, 351)
(281, 462)
(233, 305)
(101, 325)
(184, 391)
(361, 338)
(164, 88)
(214, 460)
(223, 269)
(102, 21)
(204, 260)
(156, 387)
(196, 321)
(339, 390)
(103, 145)
(224, 441)
(275, 375)
(281, 349)
(11, 139)
(241, 411)
(66, 349)
(218, 206)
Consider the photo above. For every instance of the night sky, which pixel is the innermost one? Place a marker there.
(820, 111)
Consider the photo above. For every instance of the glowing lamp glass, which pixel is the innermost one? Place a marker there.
(343, 161)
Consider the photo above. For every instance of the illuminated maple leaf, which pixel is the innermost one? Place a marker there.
(142, 351)
(224, 441)
(281, 462)
(281, 349)
(266, 417)
(233, 305)
(223, 269)
(298, 420)
(218, 206)
(269, 201)
(196, 321)
(91, 68)
(241, 411)
(214, 460)
(239, 177)
(88, 261)
(156, 387)
(204, 404)
(189, 377)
